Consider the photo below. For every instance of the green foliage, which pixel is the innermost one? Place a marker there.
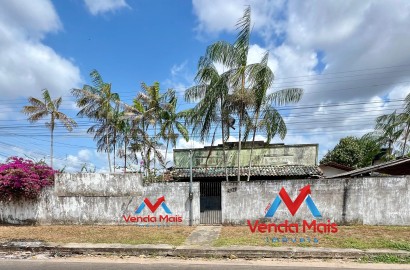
(39, 109)
(353, 152)
(392, 131)
(386, 258)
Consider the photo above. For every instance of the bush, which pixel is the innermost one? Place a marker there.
(21, 178)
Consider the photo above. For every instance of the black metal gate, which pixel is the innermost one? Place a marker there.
(210, 203)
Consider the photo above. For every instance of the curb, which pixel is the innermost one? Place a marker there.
(196, 251)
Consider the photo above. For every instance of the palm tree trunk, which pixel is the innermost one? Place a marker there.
(114, 156)
(52, 142)
(223, 142)
(405, 139)
(239, 144)
(155, 135)
(253, 142)
(240, 129)
(108, 150)
(166, 154)
(115, 142)
(125, 155)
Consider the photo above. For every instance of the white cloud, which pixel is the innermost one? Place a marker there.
(182, 144)
(27, 65)
(102, 6)
(85, 154)
(338, 52)
(222, 15)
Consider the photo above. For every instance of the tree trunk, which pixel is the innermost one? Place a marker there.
(239, 144)
(115, 135)
(240, 128)
(253, 142)
(155, 136)
(125, 155)
(108, 149)
(223, 142)
(166, 153)
(406, 135)
(52, 142)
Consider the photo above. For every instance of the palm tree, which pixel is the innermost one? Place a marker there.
(152, 103)
(96, 102)
(387, 132)
(234, 57)
(405, 120)
(272, 122)
(212, 89)
(394, 128)
(170, 123)
(40, 109)
(123, 126)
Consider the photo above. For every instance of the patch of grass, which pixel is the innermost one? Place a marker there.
(174, 235)
(386, 259)
(359, 237)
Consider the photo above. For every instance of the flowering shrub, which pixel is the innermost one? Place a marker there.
(22, 178)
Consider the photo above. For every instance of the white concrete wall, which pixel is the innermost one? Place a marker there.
(100, 199)
(105, 198)
(330, 171)
(373, 201)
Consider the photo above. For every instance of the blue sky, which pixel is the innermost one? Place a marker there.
(351, 58)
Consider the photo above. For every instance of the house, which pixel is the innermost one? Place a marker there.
(400, 166)
(269, 162)
(332, 168)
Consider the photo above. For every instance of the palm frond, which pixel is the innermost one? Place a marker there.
(36, 116)
(242, 41)
(285, 96)
(67, 121)
(407, 104)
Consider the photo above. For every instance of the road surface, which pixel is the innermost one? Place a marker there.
(163, 263)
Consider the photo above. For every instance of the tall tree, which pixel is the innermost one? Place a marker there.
(405, 124)
(151, 103)
(264, 105)
(97, 102)
(40, 109)
(393, 130)
(387, 132)
(353, 152)
(212, 91)
(170, 122)
(234, 57)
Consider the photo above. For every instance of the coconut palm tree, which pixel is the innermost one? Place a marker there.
(234, 57)
(170, 123)
(40, 109)
(212, 89)
(405, 120)
(97, 102)
(271, 121)
(150, 104)
(386, 133)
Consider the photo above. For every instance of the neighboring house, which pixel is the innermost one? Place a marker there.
(269, 162)
(399, 166)
(332, 168)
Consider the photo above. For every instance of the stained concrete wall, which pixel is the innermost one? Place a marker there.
(100, 199)
(373, 201)
(105, 198)
(273, 154)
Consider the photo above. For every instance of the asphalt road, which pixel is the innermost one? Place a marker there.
(54, 265)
